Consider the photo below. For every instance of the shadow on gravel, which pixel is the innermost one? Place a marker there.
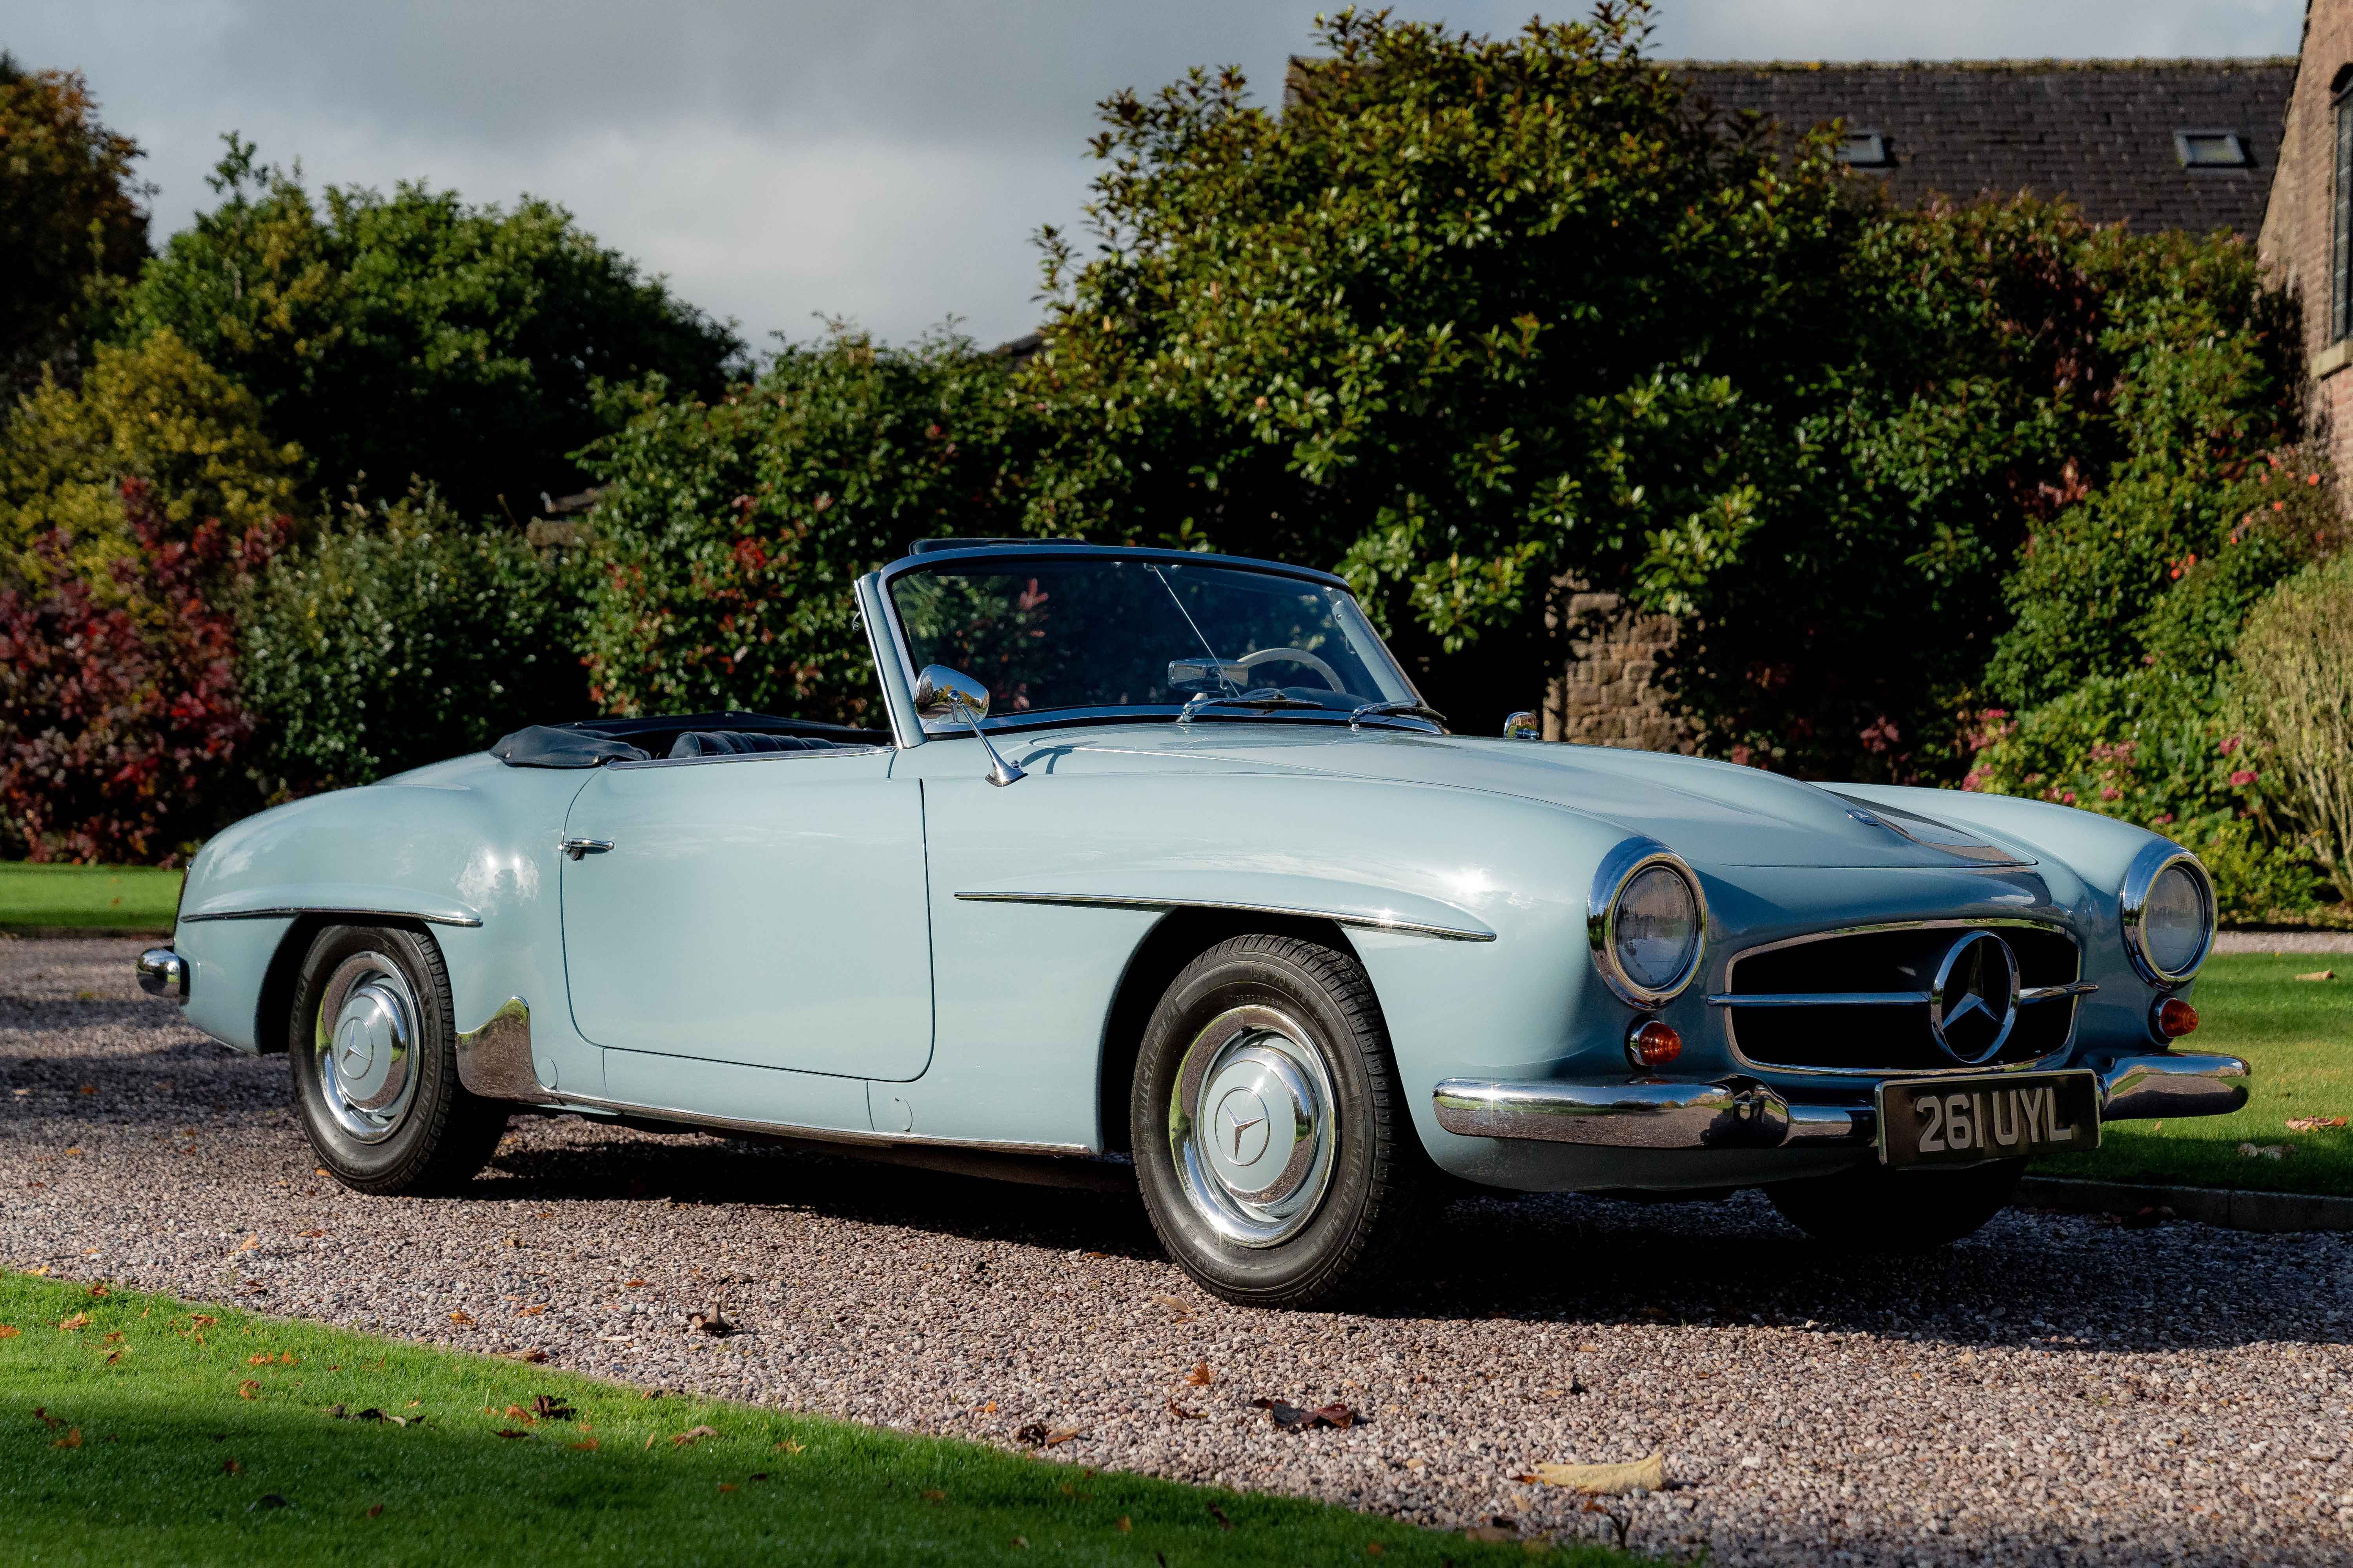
(2063, 1284)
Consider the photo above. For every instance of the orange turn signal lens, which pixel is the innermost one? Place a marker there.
(1652, 1044)
(2173, 1019)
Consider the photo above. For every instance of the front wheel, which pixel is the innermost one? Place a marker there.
(1272, 1144)
(1871, 1208)
(374, 1050)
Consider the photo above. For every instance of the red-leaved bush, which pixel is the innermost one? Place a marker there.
(122, 735)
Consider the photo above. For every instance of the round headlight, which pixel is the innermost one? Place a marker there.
(1648, 923)
(2168, 913)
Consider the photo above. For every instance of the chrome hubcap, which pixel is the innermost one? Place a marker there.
(364, 1046)
(1251, 1126)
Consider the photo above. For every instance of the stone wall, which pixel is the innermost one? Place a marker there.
(1608, 694)
(2297, 239)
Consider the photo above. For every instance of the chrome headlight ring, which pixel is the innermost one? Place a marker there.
(2141, 879)
(1617, 871)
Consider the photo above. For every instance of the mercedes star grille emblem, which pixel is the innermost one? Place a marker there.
(1974, 999)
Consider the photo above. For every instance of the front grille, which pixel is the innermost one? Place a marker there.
(1882, 976)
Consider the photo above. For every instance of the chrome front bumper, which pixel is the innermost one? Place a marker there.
(163, 973)
(1741, 1113)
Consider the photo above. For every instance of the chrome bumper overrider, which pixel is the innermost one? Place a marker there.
(163, 973)
(1740, 1113)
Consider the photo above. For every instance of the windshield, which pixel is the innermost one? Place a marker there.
(1051, 635)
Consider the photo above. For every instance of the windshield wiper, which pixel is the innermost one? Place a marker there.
(1264, 698)
(1413, 710)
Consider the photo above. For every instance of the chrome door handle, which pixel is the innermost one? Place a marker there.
(576, 848)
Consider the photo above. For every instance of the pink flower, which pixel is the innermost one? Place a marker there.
(2242, 778)
(2231, 744)
(2163, 818)
(2067, 797)
(2110, 792)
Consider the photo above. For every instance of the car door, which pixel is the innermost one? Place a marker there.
(766, 910)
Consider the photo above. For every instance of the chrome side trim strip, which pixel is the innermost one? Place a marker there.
(2053, 992)
(1337, 917)
(494, 1060)
(820, 1134)
(442, 919)
(1644, 1113)
(2187, 1084)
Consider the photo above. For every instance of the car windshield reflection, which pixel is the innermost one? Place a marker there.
(1111, 636)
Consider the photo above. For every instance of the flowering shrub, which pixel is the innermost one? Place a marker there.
(122, 736)
(2293, 695)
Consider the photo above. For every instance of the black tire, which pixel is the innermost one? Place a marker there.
(1871, 1208)
(431, 1136)
(1339, 1240)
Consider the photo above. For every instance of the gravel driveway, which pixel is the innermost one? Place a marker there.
(2059, 1389)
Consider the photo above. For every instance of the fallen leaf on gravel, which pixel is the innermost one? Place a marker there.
(1061, 1434)
(2263, 1151)
(248, 1389)
(2314, 1124)
(250, 1244)
(2315, 974)
(461, 1317)
(2144, 1217)
(532, 1312)
(551, 1407)
(1200, 1376)
(1178, 1410)
(38, 1269)
(79, 1320)
(310, 1234)
(92, 1089)
(711, 1323)
(1181, 1308)
(693, 1434)
(533, 1356)
(73, 1439)
(1032, 1435)
(1294, 1418)
(634, 1284)
(1609, 1480)
(319, 1171)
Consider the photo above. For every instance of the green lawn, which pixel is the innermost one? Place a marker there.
(2298, 1036)
(135, 1428)
(119, 897)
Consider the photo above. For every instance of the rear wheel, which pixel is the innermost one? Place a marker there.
(373, 1051)
(1272, 1144)
(1871, 1208)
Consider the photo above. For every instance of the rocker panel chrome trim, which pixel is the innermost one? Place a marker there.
(817, 1134)
(494, 1060)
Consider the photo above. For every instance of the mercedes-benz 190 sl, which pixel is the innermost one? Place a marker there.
(1163, 870)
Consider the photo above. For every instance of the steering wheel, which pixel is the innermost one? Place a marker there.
(1295, 655)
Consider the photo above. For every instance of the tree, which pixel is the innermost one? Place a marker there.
(122, 736)
(71, 224)
(394, 336)
(728, 532)
(156, 413)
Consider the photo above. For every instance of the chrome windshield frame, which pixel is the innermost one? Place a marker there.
(894, 658)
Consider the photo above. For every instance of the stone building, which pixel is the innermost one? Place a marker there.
(2307, 233)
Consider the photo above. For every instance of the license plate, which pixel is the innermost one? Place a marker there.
(1969, 1120)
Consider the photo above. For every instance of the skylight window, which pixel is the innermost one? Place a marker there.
(2210, 150)
(1863, 148)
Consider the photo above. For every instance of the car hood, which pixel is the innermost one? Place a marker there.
(1711, 812)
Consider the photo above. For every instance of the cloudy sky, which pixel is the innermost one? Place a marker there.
(886, 160)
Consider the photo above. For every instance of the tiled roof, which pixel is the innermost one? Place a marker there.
(2100, 132)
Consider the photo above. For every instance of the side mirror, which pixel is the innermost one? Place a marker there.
(950, 696)
(1525, 726)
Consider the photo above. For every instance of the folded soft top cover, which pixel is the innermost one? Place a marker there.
(562, 746)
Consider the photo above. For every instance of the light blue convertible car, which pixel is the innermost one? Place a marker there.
(1163, 871)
